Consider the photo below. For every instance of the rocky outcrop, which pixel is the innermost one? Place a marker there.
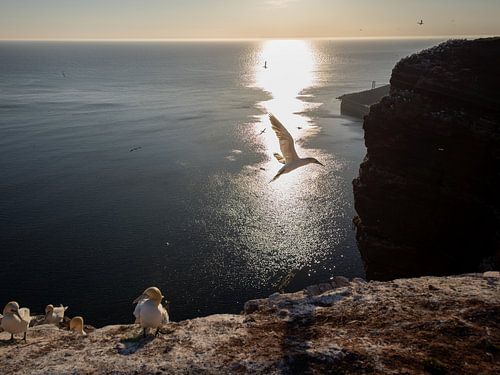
(358, 104)
(427, 195)
(412, 326)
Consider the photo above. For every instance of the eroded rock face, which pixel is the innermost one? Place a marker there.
(427, 191)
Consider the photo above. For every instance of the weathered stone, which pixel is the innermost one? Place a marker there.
(313, 290)
(341, 281)
(495, 274)
(251, 306)
(324, 287)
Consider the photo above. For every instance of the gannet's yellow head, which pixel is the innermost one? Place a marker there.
(76, 324)
(12, 308)
(153, 293)
(49, 309)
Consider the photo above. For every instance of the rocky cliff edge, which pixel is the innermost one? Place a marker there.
(423, 325)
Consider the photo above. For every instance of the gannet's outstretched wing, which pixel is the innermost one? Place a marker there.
(286, 141)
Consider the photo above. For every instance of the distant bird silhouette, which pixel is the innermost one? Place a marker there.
(265, 64)
(262, 131)
(290, 158)
(63, 74)
(420, 23)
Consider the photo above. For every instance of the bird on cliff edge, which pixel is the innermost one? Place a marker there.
(54, 315)
(289, 158)
(15, 319)
(149, 312)
(76, 325)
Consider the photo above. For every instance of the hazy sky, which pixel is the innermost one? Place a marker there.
(163, 19)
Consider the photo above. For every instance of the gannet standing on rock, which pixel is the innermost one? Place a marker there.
(149, 312)
(290, 157)
(54, 315)
(76, 324)
(15, 320)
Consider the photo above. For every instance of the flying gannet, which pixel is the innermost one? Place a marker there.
(76, 325)
(54, 315)
(289, 158)
(149, 312)
(15, 320)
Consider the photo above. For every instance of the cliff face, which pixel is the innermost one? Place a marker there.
(427, 194)
(411, 326)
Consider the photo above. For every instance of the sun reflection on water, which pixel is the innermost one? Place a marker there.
(267, 230)
(285, 70)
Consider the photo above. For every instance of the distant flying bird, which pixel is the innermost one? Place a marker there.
(420, 23)
(262, 131)
(289, 158)
(265, 64)
(15, 319)
(54, 315)
(149, 312)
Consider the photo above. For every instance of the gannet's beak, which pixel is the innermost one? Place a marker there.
(142, 296)
(318, 162)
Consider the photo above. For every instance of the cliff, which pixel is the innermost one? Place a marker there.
(427, 195)
(425, 325)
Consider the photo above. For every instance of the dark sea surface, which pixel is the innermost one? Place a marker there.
(126, 165)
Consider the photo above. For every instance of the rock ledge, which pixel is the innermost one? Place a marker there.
(424, 325)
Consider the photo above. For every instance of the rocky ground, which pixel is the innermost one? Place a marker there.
(446, 325)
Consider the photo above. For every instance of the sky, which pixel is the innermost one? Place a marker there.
(235, 19)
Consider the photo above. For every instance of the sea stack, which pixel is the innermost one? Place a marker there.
(427, 195)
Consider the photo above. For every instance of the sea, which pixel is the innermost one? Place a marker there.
(125, 165)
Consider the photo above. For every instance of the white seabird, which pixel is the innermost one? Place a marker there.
(54, 315)
(289, 158)
(15, 320)
(76, 325)
(149, 312)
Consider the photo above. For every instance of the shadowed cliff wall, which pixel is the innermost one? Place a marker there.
(427, 194)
